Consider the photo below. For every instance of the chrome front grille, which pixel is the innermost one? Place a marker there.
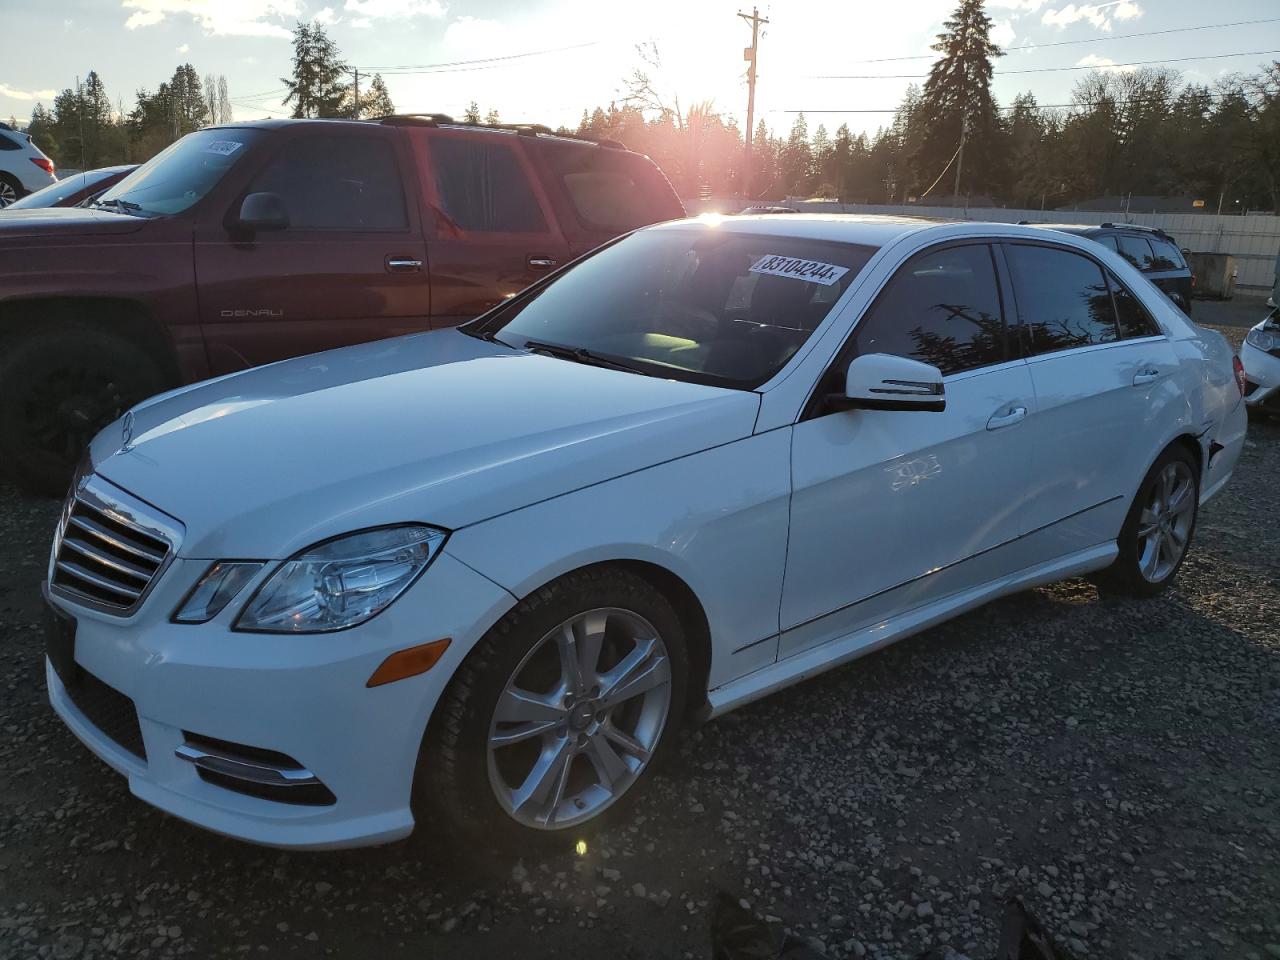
(109, 548)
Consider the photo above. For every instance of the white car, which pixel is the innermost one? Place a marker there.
(24, 167)
(483, 575)
(1261, 357)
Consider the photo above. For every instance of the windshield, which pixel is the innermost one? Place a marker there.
(698, 304)
(182, 173)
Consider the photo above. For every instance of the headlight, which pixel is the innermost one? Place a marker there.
(341, 582)
(218, 587)
(1264, 340)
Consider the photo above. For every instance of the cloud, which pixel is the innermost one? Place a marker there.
(239, 18)
(1021, 6)
(327, 16)
(1100, 15)
(1002, 33)
(366, 11)
(1103, 63)
(474, 34)
(15, 94)
(184, 48)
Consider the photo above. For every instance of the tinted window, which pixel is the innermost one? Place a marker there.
(702, 304)
(608, 189)
(942, 307)
(1109, 241)
(9, 143)
(1133, 316)
(1063, 300)
(1166, 256)
(483, 187)
(1136, 250)
(337, 183)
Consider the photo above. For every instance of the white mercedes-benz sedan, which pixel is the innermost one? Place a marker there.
(484, 575)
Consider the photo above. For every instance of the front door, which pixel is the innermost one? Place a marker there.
(350, 266)
(893, 508)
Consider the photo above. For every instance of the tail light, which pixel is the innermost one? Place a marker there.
(44, 163)
(1238, 367)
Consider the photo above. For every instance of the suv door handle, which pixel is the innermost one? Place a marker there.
(1146, 375)
(1014, 415)
(403, 265)
(542, 263)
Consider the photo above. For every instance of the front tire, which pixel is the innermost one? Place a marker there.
(1157, 532)
(559, 714)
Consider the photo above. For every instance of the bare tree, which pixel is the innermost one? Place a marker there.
(646, 93)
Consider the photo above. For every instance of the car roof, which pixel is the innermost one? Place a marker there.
(844, 228)
(1090, 229)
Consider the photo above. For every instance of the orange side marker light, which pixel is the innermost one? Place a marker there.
(409, 663)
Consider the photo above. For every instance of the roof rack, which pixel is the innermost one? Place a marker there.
(521, 129)
(1158, 231)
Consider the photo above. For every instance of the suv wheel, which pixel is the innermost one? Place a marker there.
(58, 388)
(561, 710)
(10, 190)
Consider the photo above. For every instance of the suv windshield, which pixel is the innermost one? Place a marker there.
(180, 174)
(699, 304)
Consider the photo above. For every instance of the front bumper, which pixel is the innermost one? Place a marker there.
(301, 696)
(1262, 373)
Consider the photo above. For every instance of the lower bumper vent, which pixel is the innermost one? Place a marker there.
(253, 771)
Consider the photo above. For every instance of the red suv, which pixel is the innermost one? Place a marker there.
(248, 243)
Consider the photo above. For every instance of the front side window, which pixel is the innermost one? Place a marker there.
(483, 186)
(943, 308)
(181, 174)
(1136, 250)
(699, 304)
(1063, 299)
(336, 183)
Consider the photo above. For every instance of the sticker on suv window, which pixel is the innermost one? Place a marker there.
(224, 147)
(811, 270)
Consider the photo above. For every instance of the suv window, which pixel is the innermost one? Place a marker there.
(1107, 240)
(1133, 316)
(1063, 300)
(943, 308)
(337, 183)
(608, 190)
(1136, 250)
(483, 186)
(9, 143)
(1166, 255)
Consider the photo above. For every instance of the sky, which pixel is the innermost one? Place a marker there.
(564, 55)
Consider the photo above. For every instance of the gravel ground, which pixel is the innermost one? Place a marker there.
(1117, 764)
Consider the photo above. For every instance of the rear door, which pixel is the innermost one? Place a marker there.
(490, 228)
(350, 267)
(1102, 372)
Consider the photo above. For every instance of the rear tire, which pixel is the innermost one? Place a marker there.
(483, 759)
(10, 190)
(58, 388)
(1157, 532)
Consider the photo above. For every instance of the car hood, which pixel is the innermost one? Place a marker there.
(65, 222)
(440, 428)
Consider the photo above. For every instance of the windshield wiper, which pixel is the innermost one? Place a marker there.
(578, 355)
(120, 206)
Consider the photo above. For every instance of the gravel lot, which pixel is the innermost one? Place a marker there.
(1115, 763)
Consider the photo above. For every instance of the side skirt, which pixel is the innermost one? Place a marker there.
(851, 646)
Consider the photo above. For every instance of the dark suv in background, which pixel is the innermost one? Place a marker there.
(1149, 249)
(247, 243)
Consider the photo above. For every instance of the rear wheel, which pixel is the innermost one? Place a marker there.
(559, 713)
(1157, 532)
(10, 190)
(58, 388)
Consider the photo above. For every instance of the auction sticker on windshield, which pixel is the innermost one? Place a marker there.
(224, 147)
(812, 270)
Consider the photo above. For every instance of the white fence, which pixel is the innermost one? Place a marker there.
(1254, 241)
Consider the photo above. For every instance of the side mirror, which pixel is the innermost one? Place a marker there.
(880, 381)
(262, 211)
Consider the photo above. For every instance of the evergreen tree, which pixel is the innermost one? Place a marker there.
(374, 102)
(957, 95)
(41, 131)
(317, 87)
(797, 159)
(472, 114)
(491, 118)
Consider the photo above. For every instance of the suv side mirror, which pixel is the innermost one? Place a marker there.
(881, 381)
(262, 211)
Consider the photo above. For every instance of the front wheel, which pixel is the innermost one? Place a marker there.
(1157, 531)
(559, 713)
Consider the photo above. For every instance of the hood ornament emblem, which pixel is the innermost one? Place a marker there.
(126, 432)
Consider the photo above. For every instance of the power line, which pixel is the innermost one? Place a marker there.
(1091, 66)
(445, 67)
(1039, 106)
(1069, 43)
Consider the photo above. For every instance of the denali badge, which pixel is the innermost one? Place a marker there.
(264, 312)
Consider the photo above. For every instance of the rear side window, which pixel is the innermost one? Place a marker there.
(1165, 255)
(1136, 250)
(608, 189)
(337, 183)
(1063, 300)
(1132, 315)
(9, 143)
(483, 187)
(943, 308)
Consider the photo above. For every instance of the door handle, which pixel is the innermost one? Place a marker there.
(1146, 375)
(403, 265)
(1015, 415)
(542, 263)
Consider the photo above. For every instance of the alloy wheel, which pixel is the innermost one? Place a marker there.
(1164, 526)
(579, 719)
(7, 194)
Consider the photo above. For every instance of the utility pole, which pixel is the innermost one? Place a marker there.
(964, 132)
(80, 115)
(749, 54)
(356, 111)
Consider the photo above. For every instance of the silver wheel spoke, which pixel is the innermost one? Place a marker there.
(521, 706)
(1151, 558)
(544, 787)
(523, 732)
(589, 634)
(570, 670)
(1181, 501)
(639, 673)
(627, 742)
(611, 767)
